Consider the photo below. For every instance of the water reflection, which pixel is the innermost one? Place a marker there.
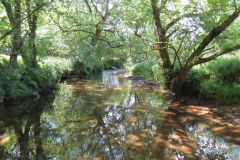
(109, 78)
(104, 117)
(20, 126)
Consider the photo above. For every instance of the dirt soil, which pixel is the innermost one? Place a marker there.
(232, 111)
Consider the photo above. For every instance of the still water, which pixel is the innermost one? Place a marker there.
(104, 117)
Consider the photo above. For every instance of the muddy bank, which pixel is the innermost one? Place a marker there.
(139, 81)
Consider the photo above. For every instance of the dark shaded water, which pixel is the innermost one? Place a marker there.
(103, 117)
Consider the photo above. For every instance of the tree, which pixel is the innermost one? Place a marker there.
(32, 18)
(191, 36)
(89, 27)
(14, 14)
(17, 11)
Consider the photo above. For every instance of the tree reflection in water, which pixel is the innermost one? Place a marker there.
(103, 117)
(21, 125)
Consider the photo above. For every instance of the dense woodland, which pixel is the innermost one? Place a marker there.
(189, 46)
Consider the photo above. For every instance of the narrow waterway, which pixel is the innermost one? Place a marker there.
(104, 117)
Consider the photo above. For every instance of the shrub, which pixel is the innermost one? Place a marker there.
(144, 70)
(31, 77)
(10, 84)
(27, 79)
(53, 68)
(224, 82)
(220, 91)
(192, 84)
(227, 70)
(91, 64)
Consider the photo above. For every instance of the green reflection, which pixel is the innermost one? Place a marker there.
(21, 127)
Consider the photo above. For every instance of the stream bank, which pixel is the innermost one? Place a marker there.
(229, 111)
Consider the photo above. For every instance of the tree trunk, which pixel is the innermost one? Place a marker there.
(13, 60)
(14, 15)
(17, 44)
(178, 80)
(161, 44)
(31, 59)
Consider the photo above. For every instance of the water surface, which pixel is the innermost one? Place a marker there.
(104, 117)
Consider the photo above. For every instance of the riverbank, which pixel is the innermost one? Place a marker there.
(138, 81)
(231, 111)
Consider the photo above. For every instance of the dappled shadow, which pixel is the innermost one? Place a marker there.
(202, 131)
(221, 124)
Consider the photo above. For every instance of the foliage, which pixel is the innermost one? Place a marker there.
(223, 85)
(194, 34)
(109, 63)
(195, 78)
(91, 64)
(220, 91)
(218, 80)
(143, 69)
(226, 70)
(54, 68)
(90, 36)
(27, 79)
(10, 85)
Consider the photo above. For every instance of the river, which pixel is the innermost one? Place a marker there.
(104, 117)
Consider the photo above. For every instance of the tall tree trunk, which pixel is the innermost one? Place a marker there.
(161, 44)
(14, 15)
(178, 80)
(17, 44)
(31, 59)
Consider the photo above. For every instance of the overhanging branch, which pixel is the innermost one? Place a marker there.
(110, 43)
(174, 21)
(207, 59)
(213, 34)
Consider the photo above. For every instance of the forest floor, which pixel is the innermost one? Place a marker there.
(232, 111)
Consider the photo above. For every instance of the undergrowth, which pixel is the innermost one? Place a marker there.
(28, 80)
(218, 80)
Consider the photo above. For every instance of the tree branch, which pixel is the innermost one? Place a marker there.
(96, 8)
(69, 30)
(163, 4)
(176, 56)
(89, 8)
(177, 51)
(109, 43)
(173, 22)
(141, 37)
(170, 34)
(207, 59)
(9, 10)
(213, 34)
(14, 27)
